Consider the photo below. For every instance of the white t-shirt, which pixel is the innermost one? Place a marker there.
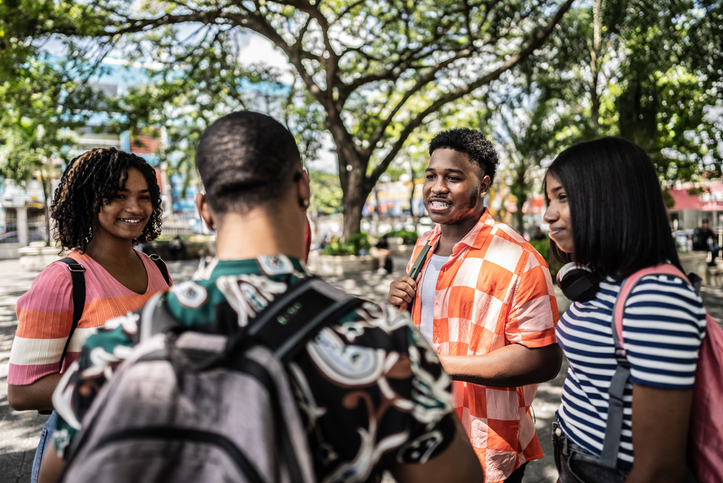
(427, 291)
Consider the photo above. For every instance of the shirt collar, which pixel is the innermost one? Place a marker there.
(474, 238)
(212, 267)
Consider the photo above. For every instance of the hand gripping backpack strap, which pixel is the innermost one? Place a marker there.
(421, 258)
(614, 428)
(417, 269)
(77, 272)
(161, 266)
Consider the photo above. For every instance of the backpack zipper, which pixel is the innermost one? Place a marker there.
(222, 442)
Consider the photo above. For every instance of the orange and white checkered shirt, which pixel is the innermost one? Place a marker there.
(494, 290)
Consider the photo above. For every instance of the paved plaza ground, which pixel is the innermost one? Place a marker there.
(19, 431)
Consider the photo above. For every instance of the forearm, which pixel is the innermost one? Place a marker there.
(660, 449)
(456, 463)
(510, 366)
(669, 474)
(52, 466)
(37, 395)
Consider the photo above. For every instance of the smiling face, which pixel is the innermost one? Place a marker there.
(125, 216)
(454, 188)
(557, 215)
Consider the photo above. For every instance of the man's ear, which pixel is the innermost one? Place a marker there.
(484, 185)
(303, 187)
(205, 211)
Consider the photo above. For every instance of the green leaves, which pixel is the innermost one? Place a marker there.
(369, 73)
(648, 79)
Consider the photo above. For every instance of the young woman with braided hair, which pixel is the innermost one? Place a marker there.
(107, 202)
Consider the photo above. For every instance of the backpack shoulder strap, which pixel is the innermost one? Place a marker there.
(417, 265)
(295, 317)
(161, 266)
(155, 317)
(77, 275)
(614, 428)
(627, 287)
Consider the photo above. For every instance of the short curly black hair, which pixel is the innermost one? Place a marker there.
(94, 178)
(471, 142)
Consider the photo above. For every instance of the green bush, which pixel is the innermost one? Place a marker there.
(358, 241)
(543, 246)
(352, 246)
(408, 237)
(338, 249)
(185, 238)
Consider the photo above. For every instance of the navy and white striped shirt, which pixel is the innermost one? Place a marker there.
(663, 325)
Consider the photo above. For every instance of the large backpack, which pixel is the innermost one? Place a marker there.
(705, 442)
(204, 407)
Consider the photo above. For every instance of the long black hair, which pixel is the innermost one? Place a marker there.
(89, 181)
(619, 220)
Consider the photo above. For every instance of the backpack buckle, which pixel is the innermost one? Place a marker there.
(78, 268)
(620, 358)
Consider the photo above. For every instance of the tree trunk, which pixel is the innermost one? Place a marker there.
(352, 216)
(520, 216)
(520, 190)
(415, 216)
(44, 182)
(596, 63)
(355, 196)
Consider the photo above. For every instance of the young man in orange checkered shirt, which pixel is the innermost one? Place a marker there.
(484, 300)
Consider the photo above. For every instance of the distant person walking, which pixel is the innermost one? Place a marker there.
(705, 240)
(177, 248)
(106, 202)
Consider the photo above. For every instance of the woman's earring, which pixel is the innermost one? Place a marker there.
(304, 204)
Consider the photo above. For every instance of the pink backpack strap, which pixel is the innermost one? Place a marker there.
(627, 287)
(616, 391)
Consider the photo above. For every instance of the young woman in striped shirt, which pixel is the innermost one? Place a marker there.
(606, 213)
(107, 201)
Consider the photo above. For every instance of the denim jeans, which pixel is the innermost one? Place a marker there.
(46, 438)
(576, 465)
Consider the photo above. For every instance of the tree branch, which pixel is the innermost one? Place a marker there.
(536, 42)
(421, 82)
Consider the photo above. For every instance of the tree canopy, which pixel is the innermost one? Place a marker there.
(380, 76)
(643, 70)
(375, 71)
(41, 101)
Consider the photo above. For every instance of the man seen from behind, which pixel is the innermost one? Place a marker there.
(256, 197)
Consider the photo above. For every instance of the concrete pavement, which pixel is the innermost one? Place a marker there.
(19, 431)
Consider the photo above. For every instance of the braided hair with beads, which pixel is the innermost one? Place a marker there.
(89, 181)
